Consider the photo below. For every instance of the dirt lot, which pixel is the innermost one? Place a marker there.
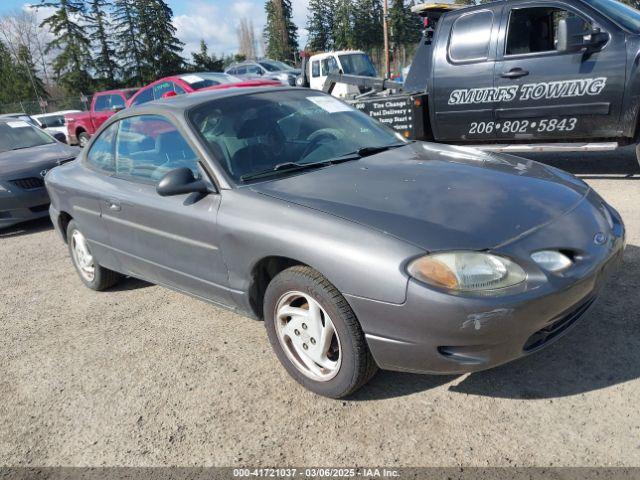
(143, 376)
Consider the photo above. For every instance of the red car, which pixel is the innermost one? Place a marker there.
(103, 104)
(192, 82)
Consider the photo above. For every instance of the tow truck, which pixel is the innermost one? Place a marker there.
(516, 76)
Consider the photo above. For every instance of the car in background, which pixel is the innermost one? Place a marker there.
(27, 153)
(55, 122)
(21, 116)
(103, 104)
(268, 69)
(192, 82)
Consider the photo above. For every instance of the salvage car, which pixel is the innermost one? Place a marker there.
(192, 82)
(26, 154)
(357, 248)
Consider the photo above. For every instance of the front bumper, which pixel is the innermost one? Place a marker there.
(439, 333)
(20, 205)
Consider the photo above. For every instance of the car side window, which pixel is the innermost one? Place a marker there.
(117, 101)
(315, 68)
(101, 155)
(241, 70)
(144, 97)
(471, 36)
(149, 146)
(162, 88)
(329, 65)
(102, 103)
(178, 89)
(535, 29)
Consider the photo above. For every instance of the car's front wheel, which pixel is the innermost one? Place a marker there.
(315, 334)
(83, 139)
(91, 273)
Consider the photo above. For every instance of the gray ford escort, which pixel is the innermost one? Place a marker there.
(357, 248)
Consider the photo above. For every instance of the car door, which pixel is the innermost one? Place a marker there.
(557, 94)
(101, 110)
(172, 241)
(463, 97)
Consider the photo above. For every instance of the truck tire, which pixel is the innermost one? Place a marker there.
(83, 139)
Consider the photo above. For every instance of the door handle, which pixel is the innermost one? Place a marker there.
(113, 206)
(515, 73)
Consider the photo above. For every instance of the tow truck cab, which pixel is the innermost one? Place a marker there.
(316, 69)
(522, 75)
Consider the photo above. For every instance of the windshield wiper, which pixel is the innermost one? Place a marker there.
(296, 167)
(21, 148)
(367, 151)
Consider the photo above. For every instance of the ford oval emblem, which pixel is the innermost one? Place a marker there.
(43, 173)
(599, 238)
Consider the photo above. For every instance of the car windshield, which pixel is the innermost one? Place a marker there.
(18, 134)
(198, 81)
(357, 64)
(259, 132)
(275, 65)
(624, 15)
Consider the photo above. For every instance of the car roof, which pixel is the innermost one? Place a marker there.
(183, 103)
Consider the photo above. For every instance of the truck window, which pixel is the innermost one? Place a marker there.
(534, 30)
(315, 68)
(470, 37)
(329, 65)
(102, 103)
(144, 96)
(117, 101)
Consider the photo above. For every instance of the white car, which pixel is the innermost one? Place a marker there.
(53, 123)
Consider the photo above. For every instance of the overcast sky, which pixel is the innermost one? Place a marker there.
(215, 21)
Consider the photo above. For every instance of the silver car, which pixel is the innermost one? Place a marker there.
(357, 248)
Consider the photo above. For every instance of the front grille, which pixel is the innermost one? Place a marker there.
(556, 327)
(30, 183)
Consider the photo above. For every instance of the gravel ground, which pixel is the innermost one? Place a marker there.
(144, 376)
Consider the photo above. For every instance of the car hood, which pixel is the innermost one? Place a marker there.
(16, 163)
(435, 196)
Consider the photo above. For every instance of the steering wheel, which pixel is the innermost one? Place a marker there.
(316, 138)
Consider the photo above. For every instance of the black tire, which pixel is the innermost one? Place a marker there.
(357, 365)
(83, 138)
(103, 278)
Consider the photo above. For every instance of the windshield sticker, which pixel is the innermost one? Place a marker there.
(192, 78)
(330, 104)
(18, 124)
(529, 91)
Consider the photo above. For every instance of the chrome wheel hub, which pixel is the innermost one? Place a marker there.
(308, 336)
(82, 256)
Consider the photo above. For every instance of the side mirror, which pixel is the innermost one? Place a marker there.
(117, 108)
(573, 38)
(180, 181)
(61, 137)
(169, 94)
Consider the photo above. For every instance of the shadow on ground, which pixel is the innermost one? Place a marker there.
(616, 164)
(602, 350)
(27, 228)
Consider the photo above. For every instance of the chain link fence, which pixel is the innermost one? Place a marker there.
(35, 107)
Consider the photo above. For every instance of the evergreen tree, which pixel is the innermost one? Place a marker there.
(160, 46)
(27, 80)
(99, 27)
(342, 26)
(73, 62)
(367, 25)
(203, 62)
(127, 37)
(280, 33)
(7, 75)
(320, 25)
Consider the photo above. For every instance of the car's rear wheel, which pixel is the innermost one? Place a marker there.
(83, 138)
(91, 273)
(315, 334)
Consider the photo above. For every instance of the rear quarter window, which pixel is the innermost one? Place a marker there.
(471, 36)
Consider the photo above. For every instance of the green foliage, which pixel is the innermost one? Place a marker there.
(19, 78)
(127, 37)
(104, 59)
(205, 62)
(320, 25)
(73, 61)
(280, 33)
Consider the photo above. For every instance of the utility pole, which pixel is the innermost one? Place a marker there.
(385, 30)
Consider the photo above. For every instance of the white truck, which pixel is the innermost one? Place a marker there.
(316, 69)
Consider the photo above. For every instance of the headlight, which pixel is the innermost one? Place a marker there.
(2, 188)
(552, 260)
(467, 271)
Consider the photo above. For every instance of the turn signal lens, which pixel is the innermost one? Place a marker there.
(551, 260)
(467, 271)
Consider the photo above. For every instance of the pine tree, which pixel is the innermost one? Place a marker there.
(367, 25)
(320, 25)
(342, 25)
(27, 81)
(73, 62)
(203, 62)
(280, 33)
(160, 46)
(127, 37)
(100, 36)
